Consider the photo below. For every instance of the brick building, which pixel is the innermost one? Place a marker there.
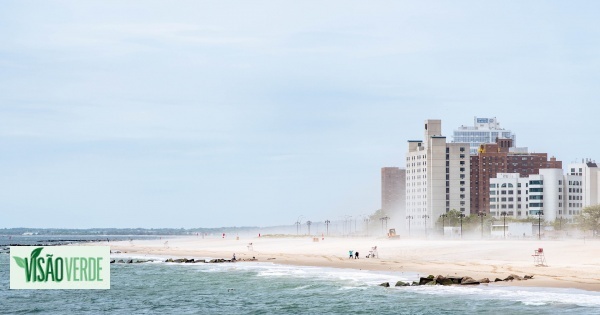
(502, 157)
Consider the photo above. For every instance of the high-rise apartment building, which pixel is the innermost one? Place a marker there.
(502, 157)
(551, 193)
(590, 176)
(393, 191)
(484, 130)
(437, 177)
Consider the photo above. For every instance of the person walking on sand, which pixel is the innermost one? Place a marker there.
(356, 255)
(350, 253)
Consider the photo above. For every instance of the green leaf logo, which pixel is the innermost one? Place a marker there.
(35, 253)
(20, 261)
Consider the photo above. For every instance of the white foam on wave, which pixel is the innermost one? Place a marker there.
(353, 279)
(527, 296)
(348, 276)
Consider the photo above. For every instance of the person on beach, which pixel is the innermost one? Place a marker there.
(350, 253)
(356, 255)
(233, 257)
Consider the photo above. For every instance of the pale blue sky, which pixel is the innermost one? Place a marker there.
(231, 113)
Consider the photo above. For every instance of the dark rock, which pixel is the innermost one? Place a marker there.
(121, 261)
(169, 260)
(528, 277)
(484, 280)
(130, 261)
(423, 280)
(498, 279)
(439, 279)
(468, 281)
(512, 277)
(414, 283)
(179, 260)
(455, 280)
(402, 284)
(189, 260)
(431, 283)
(516, 277)
(447, 282)
(112, 261)
(385, 284)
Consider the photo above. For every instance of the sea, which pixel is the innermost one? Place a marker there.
(158, 287)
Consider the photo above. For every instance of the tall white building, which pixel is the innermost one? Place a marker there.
(484, 130)
(437, 177)
(550, 192)
(590, 177)
(546, 193)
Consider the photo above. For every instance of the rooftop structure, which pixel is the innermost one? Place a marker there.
(484, 130)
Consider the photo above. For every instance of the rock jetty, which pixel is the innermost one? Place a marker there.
(441, 280)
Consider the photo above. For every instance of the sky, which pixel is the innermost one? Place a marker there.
(256, 113)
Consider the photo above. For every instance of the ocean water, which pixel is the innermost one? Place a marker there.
(269, 288)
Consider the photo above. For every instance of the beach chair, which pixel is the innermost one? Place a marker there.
(538, 257)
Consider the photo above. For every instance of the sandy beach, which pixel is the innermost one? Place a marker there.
(570, 263)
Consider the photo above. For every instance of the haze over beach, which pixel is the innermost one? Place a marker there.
(570, 264)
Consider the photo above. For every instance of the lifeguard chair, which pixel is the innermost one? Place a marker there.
(250, 247)
(373, 252)
(538, 257)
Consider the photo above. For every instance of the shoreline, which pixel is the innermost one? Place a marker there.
(571, 263)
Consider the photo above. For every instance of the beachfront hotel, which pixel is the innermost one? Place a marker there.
(484, 130)
(590, 177)
(552, 193)
(437, 177)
